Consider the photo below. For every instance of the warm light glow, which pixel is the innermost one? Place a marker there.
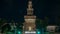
(51, 28)
(29, 28)
(30, 20)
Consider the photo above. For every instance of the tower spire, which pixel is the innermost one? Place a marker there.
(30, 9)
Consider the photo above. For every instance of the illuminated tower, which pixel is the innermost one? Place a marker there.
(29, 24)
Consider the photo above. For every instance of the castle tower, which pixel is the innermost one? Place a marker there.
(29, 24)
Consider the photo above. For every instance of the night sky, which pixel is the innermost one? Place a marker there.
(16, 9)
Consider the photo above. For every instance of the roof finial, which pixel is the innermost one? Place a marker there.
(30, 9)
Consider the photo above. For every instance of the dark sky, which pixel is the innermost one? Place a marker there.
(17, 8)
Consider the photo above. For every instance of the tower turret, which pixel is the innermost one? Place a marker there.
(30, 9)
(29, 24)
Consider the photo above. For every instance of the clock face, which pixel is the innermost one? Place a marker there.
(30, 20)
